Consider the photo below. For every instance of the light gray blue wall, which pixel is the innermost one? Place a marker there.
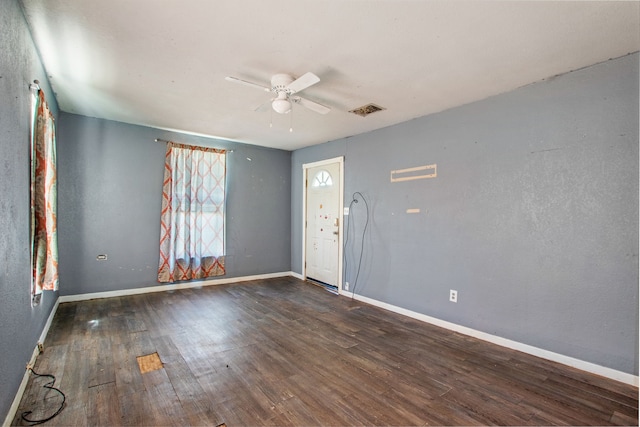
(110, 190)
(533, 217)
(20, 325)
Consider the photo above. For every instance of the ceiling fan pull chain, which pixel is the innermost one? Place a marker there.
(291, 120)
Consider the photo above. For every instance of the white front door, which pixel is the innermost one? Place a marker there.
(323, 223)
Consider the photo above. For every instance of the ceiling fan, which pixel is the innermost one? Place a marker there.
(284, 87)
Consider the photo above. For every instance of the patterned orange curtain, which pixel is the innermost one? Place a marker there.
(192, 217)
(44, 232)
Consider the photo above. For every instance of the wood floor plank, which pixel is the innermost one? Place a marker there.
(74, 381)
(101, 368)
(73, 414)
(103, 408)
(137, 410)
(602, 404)
(321, 401)
(284, 352)
(623, 419)
(293, 412)
(487, 409)
(191, 396)
(127, 374)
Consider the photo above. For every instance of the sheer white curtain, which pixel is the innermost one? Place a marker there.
(44, 196)
(192, 217)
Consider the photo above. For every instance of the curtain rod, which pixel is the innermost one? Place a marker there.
(164, 140)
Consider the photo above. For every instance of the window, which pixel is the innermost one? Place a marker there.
(322, 179)
(199, 206)
(193, 213)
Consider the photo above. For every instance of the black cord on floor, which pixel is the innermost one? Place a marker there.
(355, 200)
(50, 386)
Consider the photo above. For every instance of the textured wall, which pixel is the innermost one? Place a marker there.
(20, 325)
(110, 192)
(533, 217)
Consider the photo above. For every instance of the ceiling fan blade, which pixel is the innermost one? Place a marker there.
(246, 83)
(312, 105)
(303, 82)
(264, 106)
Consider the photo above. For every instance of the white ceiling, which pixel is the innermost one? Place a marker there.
(162, 63)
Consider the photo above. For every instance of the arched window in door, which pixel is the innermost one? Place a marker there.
(322, 179)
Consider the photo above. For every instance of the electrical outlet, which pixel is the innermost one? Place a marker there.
(40, 347)
(453, 295)
(346, 286)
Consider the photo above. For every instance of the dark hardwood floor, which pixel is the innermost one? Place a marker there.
(284, 352)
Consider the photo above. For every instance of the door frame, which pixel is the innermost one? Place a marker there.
(305, 169)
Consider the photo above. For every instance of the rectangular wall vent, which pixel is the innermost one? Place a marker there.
(420, 172)
(365, 110)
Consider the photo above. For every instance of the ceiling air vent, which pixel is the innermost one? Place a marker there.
(365, 110)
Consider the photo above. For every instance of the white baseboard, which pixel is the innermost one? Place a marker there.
(171, 287)
(514, 345)
(47, 325)
(32, 361)
(297, 275)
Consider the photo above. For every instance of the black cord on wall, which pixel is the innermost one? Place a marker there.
(366, 224)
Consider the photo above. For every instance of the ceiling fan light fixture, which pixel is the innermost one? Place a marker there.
(282, 106)
(283, 86)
